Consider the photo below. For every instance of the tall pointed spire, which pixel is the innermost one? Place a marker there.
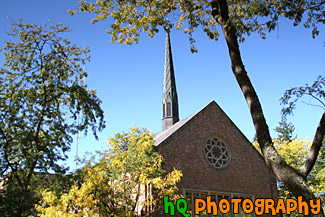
(169, 101)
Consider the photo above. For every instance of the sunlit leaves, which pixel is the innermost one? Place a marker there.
(294, 153)
(129, 18)
(127, 171)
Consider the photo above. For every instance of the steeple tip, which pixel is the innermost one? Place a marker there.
(169, 101)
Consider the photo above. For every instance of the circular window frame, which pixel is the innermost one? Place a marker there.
(217, 153)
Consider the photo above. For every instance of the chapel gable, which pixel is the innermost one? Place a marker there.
(215, 157)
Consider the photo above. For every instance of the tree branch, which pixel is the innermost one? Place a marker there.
(314, 149)
(31, 170)
(14, 171)
(320, 101)
(288, 175)
(4, 170)
(243, 80)
(313, 105)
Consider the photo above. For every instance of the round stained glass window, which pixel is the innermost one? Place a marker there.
(217, 153)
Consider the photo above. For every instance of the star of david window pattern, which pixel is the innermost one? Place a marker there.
(217, 153)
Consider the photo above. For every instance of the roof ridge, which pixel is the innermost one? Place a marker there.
(164, 134)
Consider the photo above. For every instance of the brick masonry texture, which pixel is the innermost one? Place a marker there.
(247, 172)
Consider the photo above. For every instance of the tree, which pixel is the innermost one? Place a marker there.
(41, 98)
(129, 170)
(294, 152)
(237, 20)
(315, 94)
(317, 176)
(285, 129)
(40, 182)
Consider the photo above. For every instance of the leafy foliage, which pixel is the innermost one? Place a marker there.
(294, 152)
(41, 97)
(128, 179)
(285, 129)
(10, 193)
(129, 18)
(315, 92)
(11, 199)
(237, 19)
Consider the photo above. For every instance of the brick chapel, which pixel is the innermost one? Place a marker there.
(214, 156)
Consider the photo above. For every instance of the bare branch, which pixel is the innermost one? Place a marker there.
(313, 105)
(320, 101)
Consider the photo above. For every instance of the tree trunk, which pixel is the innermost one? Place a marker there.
(291, 178)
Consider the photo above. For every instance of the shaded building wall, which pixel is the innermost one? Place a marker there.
(246, 174)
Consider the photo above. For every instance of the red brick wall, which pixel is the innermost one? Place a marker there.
(247, 172)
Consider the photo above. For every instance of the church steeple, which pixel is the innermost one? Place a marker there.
(169, 100)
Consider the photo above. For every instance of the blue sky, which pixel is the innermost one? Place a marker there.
(129, 79)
